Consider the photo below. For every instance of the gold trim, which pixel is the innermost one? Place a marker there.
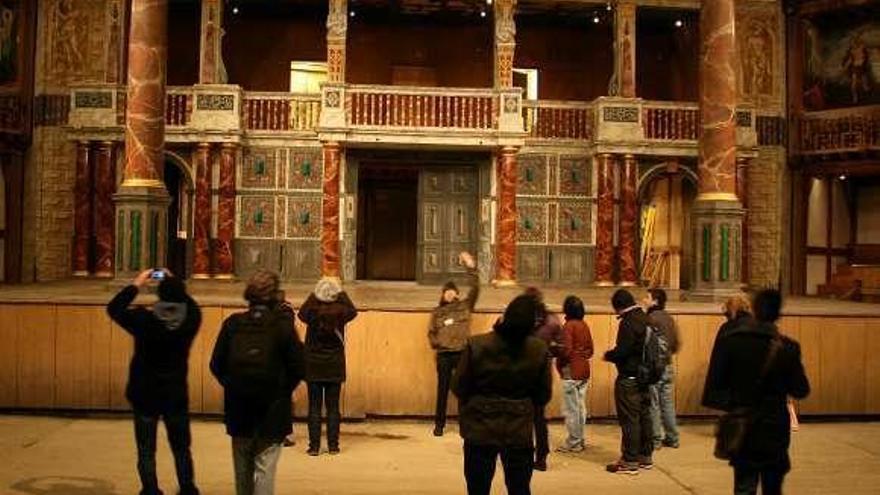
(224, 276)
(81, 273)
(201, 276)
(142, 183)
(604, 283)
(104, 275)
(717, 196)
(500, 284)
(628, 284)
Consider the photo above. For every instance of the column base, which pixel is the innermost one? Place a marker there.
(104, 275)
(81, 274)
(628, 284)
(504, 284)
(603, 283)
(224, 276)
(201, 276)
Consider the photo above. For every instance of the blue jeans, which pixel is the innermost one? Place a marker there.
(663, 408)
(256, 461)
(574, 393)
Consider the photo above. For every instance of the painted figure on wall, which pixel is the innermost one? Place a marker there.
(68, 56)
(758, 78)
(8, 43)
(857, 65)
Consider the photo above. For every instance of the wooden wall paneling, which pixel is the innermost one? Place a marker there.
(36, 356)
(811, 330)
(600, 400)
(121, 347)
(197, 367)
(8, 355)
(843, 366)
(790, 326)
(82, 358)
(872, 367)
(697, 338)
(300, 395)
(212, 392)
(354, 393)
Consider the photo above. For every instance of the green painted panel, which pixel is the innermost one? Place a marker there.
(724, 272)
(120, 245)
(707, 253)
(134, 260)
(154, 239)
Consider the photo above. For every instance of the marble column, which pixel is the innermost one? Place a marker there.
(105, 186)
(505, 272)
(717, 212)
(211, 67)
(505, 42)
(625, 52)
(224, 261)
(629, 210)
(337, 30)
(604, 262)
(202, 215)
(330, 211)
(141, 200)
(82, 210)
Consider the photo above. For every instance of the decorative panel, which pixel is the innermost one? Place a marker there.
(531, 263)
(531, 222)
(306, 169)
(301, 260)
(531, 174)
(257, 216)
(571, 264)
(432, 259)
(259, 170)
(574, 222)
(252, 255)
(574, 176)
(304, 217)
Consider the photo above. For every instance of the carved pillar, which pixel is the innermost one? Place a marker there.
(330, 211)
(717, 211)
(625, 53)
(337, 29)
(505, 42)
(82, 198)
(202, 214)
(116, 23)
(224, 261)
(142, 201)
(211, 67)
(605, 220)
(505, 273)
(629, 210)
(105, 186)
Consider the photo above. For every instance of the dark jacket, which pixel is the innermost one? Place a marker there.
(734, 371)
(157, 377)
(741, 319)
(450, 324)
(627, 352)
(257, 411)
(499, 385)
(573, 357)
(664, 322)
(325, 336)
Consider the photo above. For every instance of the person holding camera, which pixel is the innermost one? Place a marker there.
(157, 381)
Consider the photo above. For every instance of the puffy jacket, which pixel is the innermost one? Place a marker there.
(450, 322)
(325, 336)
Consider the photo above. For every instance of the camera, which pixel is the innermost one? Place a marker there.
(157, 275)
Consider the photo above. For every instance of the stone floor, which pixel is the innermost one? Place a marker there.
(68, 456)
(406, 296)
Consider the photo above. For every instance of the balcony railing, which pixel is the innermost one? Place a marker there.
(674, 121)
(178, 106)
(570, 120)
(411, 107)
(281, 111)
(840, 131)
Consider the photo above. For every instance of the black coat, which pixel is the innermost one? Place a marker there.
(157, 376)
(627, 351)
(737, 360)
(267, 415)
(499, 385)
(325, 337)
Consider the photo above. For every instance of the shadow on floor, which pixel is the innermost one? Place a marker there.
(64, 485)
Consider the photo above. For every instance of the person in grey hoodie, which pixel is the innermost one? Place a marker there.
(157, 381)
(448, 333)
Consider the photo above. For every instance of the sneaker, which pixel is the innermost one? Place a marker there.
(669, 443)
(565, 449)
(658, 444)
(438, 431)
(621, 467)
(289, 441)
(646, 465)
(313, 452)
(333, 450)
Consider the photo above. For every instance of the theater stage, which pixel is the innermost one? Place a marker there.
(61, 352)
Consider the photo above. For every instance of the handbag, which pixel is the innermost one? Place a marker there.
(734, 426)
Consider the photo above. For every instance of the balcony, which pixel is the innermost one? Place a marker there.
(364, 115)
(849, 130)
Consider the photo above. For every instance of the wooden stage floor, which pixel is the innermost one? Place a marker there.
(406, 296)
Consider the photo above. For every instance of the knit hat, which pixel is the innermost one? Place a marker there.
(622, 299)
(263, 287)
(327, 289)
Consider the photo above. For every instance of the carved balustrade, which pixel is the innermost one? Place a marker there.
(567, 120)
(840, 131)
(412, 107)
(673, 121)
(281, 112)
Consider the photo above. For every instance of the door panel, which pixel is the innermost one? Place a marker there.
(448, 216)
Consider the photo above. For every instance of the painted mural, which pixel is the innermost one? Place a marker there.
(10, 20)
(841, 63)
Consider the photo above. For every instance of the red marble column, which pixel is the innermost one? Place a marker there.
(211, 70)
(145, 116)
(506, 241)
(337, 32)
(718, 59)
(224, 262)
(605, 221)
(105, 186)
(626, 49)
(202, 213)
(330, 211)
(505, 42)
(628, 220)
(82, 211)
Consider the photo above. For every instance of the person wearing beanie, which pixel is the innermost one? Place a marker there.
(325, 312)
(258, 359)
(448, 332)
(502, 378)
(157, 381)
(631, 399)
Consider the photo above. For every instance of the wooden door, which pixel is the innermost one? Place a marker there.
(447, 221)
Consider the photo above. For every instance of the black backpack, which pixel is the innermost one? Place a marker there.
(254, 360)
(655, 356)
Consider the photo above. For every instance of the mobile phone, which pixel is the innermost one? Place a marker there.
(157, 275)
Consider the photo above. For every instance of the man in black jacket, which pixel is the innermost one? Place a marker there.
(502, 378)
(157, 385)
(740, 377)
(258, 359)
(631, 398)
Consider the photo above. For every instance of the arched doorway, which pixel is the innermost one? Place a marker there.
(666, 196)
(180, 186)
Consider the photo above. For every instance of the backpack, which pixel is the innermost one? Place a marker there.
(254, 361)
(655, 357)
